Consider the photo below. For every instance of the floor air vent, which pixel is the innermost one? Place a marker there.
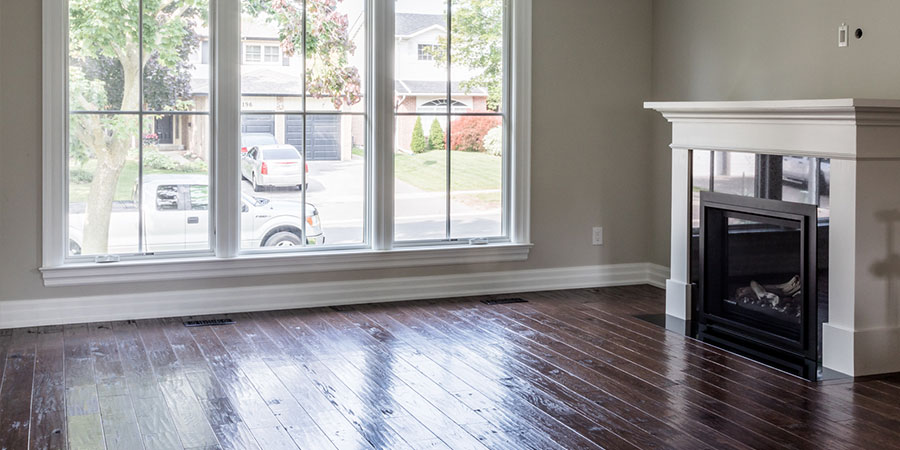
(208, 322)
(504, 301)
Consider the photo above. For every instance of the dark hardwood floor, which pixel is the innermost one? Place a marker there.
(568, 369)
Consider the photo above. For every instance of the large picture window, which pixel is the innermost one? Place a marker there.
(186, 129)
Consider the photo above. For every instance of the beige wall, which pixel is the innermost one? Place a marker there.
(764, 50)
(591, 72)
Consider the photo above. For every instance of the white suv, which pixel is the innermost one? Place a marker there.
(176, 217)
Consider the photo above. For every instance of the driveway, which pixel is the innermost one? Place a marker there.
(337, 189)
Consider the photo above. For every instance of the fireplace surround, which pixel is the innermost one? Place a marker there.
(859, 141)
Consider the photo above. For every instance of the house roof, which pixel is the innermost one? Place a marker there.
(408, 24)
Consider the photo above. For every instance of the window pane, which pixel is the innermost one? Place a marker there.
(476, 176)
(272, 173)
(476, 49)
(172, 167)
(103, 171)
(266, 86)
(336, 62)
(175, 77)
(103, 64)
(335, 149)
(420, 55)
(420, 185)
(273, 54)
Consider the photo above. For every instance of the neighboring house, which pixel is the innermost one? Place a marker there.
(421, 83)
(270, 83)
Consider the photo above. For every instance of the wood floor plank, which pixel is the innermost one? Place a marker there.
(48, 411)
(16, 388)
(84, 426)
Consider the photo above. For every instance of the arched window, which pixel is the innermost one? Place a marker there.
(440, 106)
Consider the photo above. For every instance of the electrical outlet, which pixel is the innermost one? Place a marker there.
(598, 236)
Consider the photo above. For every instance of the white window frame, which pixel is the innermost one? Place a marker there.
(247, 60)
(224, 189)
(277, 54)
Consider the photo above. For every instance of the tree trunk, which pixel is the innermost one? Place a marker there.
(99, 206)
(111, 153)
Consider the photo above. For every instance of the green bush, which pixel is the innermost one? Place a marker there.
(154, 159)
(436, 136)
(418, 144)
(80, 176)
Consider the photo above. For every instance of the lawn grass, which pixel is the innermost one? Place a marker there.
(78, 192)
(469, 171)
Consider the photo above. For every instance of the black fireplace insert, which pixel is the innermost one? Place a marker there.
(758, 279)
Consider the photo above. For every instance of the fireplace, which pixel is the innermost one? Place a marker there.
(773, 151)
(757, 289)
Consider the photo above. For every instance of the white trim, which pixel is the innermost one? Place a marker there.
(381, 123)
(225, 191)
(24, 313)
(54, 246)
(520, 204)
(273, 264)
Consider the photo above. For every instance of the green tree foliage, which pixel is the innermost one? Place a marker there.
(436, 138)
(418, 144)
(477, 29)
(328, 45)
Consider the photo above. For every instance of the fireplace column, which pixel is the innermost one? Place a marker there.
(678, 286)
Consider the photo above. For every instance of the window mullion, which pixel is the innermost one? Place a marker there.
(226, 108)
(381, 123)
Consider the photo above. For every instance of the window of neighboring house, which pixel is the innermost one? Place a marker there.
(252, 53)
(440, 106)
(110, 172)
(272, 54)
(426, 52)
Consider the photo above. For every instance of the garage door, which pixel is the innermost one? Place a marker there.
(258, 123)
(324, 140)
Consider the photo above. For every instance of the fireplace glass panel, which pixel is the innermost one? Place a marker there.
(762, 273)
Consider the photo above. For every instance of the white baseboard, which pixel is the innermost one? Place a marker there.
(26, 313)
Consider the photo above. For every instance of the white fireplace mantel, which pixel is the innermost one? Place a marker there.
(862, 138)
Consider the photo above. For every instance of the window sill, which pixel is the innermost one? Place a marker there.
(250, 265)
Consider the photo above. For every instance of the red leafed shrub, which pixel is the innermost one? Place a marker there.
(468, 132)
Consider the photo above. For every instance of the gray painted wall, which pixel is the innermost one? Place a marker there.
(590, 143)
(763, 50)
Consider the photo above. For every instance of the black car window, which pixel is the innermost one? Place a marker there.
(272, 154)
(199, 197)
(167, 197)
(252, 153)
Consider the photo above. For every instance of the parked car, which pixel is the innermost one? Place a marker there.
(175, 211)
(273, 165)
(250, 140)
